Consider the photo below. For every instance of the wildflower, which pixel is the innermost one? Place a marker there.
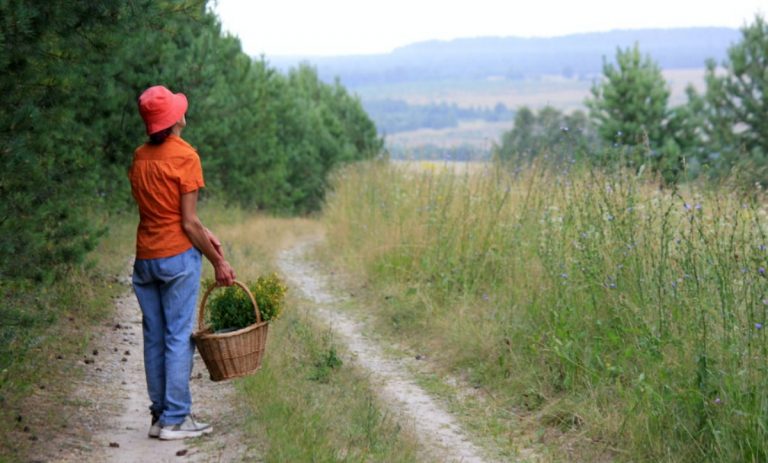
(687, 206)
(717, 401)
(765, 301)
(698, 206)
(743, 269)
(485, 296)
(761, 247)
(564, 129)
(584, 235)
(761, 270)
(630, 209)
(758, 326)
(564, 276)
(674, 284)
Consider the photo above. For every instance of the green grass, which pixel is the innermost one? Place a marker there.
(311, 406)
(306, 403)
(44, 329)
(624, 318)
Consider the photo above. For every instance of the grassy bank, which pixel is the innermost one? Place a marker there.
(305, 404)
(628, 318)
(44, 329)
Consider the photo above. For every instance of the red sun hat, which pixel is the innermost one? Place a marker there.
(160, 108)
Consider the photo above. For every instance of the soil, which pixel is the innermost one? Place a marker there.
(441, 437)
(112, 417)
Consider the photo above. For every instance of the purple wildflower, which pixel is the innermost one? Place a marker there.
(758, 326)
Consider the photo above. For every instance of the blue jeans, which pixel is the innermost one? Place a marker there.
(167, 292)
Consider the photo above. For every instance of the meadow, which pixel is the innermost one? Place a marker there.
(623, 321)
(536, 92)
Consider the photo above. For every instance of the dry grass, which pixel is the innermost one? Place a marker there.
(253, 241)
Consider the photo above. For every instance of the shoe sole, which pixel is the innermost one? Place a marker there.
(175, 435)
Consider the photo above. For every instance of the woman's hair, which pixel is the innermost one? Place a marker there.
(158, 138)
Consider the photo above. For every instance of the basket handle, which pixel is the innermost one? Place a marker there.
(201, 312)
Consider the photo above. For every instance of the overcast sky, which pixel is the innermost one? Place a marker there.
(338, 27)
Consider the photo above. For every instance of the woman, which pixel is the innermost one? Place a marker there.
(165, 177)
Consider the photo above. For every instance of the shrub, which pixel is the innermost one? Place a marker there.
(231, 308)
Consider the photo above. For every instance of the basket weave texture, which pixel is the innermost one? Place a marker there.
(234, 354)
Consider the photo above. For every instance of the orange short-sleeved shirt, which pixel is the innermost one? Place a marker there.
(159, 175)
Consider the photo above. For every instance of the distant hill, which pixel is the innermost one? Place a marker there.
(572, 56)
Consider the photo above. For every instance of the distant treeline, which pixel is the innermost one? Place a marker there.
(392, 116)
(573, 56)
(629, 123)
(70, 75)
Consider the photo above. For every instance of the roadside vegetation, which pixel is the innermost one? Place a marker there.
(627, 318)
(305, 404)
(45, 328)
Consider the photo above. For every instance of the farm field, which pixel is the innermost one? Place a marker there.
(561, 93)
(557, 91)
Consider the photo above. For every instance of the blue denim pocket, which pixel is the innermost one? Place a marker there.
(170, 267)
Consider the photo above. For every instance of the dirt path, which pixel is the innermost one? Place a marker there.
(438, 432)
(113, 417)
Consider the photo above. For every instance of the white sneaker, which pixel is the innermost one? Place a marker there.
(154, 429)
(189, 428)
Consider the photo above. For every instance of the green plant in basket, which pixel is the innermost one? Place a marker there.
(230, 308)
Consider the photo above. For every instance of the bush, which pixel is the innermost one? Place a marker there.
(231, 308)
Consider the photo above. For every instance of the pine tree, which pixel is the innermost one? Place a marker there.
(630, 110)
(736, 104)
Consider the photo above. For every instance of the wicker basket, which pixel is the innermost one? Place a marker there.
(233, 354)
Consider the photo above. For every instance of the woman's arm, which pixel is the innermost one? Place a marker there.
(204, 240)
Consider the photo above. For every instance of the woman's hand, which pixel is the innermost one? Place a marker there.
(225, 274)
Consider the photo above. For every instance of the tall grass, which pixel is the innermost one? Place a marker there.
(604, 305)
